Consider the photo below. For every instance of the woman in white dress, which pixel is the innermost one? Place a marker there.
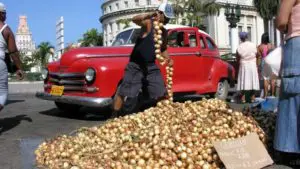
(248, 80)
(7, 43)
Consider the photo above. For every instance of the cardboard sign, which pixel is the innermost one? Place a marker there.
(243, 153)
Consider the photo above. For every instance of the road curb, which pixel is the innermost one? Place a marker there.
(26, 82)
(25, 87)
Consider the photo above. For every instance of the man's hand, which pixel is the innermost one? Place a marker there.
(20, 74)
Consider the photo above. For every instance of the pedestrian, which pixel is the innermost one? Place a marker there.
(264, 71)
(142, 72)
(248, 81)
(287, 132)
(7, 43)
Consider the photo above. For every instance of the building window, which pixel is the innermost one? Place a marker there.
(110, 9)
(240, 29)
(117, 6)
(249, 30)
(148, 2)
(118, 26)
(126, 4)
(111, 28)
(105, 28)
(136, 2)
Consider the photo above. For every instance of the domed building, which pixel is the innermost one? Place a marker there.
(118, 13)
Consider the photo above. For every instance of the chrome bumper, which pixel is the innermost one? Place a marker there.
(84, 101)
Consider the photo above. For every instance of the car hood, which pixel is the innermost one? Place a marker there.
(93, 52)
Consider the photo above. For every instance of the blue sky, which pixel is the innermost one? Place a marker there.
(79, 16)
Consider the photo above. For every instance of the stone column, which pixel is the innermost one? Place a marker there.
(234, 39)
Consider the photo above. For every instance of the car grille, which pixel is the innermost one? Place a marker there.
(70, 81)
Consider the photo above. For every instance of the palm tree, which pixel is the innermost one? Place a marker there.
(126, 22)
(198, 9)
(267, 9)
(92, 38)
(178, 6)
(43, 52)
(211, 8)
(193, 7)
(27, 61)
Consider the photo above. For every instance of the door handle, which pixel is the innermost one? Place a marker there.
(198, 54)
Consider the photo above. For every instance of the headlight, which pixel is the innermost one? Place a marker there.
(45, 74)
(90, 75)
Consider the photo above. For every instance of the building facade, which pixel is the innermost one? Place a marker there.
(24, 40)
(216, 26)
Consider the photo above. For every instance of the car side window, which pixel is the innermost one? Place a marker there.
(176, 39)
(210, 44)
(122, 38)
(172, 39)
(202, 44)
(182, 38)
(193, 40)
(134, 36)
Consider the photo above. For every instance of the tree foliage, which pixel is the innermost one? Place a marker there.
(92, 38)
(28, 62)
(179, 8)
(267, 9)
(126, 22)
(195, 10)
(41, 55)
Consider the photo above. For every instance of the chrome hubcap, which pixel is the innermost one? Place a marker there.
(221, 89)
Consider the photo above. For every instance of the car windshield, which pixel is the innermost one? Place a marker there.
(126, 38)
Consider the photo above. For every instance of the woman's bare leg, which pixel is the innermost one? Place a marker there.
(273, 87)
(266, 88)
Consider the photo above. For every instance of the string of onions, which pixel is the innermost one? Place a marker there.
(169, 136)
(169, 68)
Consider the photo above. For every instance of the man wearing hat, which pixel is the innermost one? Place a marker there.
(7, 43)
(141, 71)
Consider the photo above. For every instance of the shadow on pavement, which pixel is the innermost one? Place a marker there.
(13, 101)
(11, 122)
(85, 114)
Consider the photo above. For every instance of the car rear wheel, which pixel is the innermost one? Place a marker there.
(70, 109)
(222, 90)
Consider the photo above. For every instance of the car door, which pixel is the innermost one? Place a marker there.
(185, 54)
(209, 53)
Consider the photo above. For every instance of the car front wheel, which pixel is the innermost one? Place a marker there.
(222, 90)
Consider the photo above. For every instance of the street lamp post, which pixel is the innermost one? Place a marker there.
(233, 13)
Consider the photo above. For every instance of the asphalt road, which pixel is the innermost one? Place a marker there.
(26, 121)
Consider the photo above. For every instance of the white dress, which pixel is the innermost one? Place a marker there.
(248, 75)
(3, 69)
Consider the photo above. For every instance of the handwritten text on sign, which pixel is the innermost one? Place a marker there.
(243, 153)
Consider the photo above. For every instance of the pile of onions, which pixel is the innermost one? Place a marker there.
(169, 68)
(168, 136)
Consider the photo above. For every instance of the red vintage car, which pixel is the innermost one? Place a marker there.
(90, 76)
